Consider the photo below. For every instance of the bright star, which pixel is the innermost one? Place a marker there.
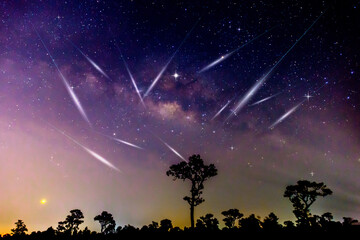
(307, 96)
(176, 75)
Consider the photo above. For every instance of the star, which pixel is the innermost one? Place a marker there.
(308, 96)
(175, 75)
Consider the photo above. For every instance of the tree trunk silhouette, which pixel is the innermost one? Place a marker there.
(192, 215)
(197, 172)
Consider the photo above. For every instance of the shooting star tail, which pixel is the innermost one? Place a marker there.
(222, 109)
(157, 78)
(257, 85)
(265, 99)
(97, 67)
(247, 97)
(216, 62)
(127, 143)
(131, 77)
(223, 57)
(66, 83)
(119, 140)
(101, 159)
(169, 61)
(285, 115)
(174, 151)
(89, 151)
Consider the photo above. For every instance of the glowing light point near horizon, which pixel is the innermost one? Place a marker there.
(43, 201)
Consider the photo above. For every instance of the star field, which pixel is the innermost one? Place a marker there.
(84, 125)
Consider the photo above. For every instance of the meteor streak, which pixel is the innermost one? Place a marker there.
(295, 108)
(97, 67)
(169, 61)
(169, 147)
(223, 57)
(66, 83)
(127, 143)
(131, 77)
(89, 151)
(216, 62)
(250, 93)
(288, 113)
(265, 99)
(120, 141)
(222, 109)
(173, 150)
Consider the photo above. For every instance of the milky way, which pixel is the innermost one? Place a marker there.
(152, 104)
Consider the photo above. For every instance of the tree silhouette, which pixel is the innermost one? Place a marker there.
(251, 223)
(165, 225)
(20, 228)
(106, 221)
(303, 195)
(153, 226)
(197, 172)
(231, 216)
(49, 233)
(118, 229)
(348, 221)
(129, 229)
(289, 226)
(207, 222)
(72, 222)
(271, 223)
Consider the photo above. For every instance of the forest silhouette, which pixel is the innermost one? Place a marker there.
(301, 195)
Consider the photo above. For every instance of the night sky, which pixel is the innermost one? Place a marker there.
(99, 98)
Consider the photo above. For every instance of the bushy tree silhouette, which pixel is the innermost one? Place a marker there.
(71, 223)
(348, 221)
(271, 223)
(165, 225)
(106, 221)
(86, 232)
(231, 216)
(303, 195)
(129, 229)
(289, 226)
(20, 228)
(207, 222)
(250, 224)
(153, 226)
(197, 173)
(49, 233)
